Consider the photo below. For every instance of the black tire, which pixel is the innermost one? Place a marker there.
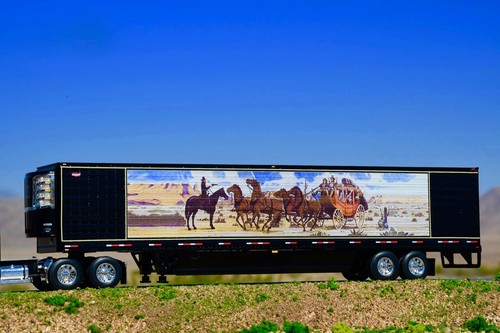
(356, 274)
(384, 266)
(104, 272)
(66, 274)
(41, 285)
(414, 265)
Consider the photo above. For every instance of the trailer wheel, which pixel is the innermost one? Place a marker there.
(414, 265)
(356, 274)
(384, 266)
(66, 274)
(104, 272)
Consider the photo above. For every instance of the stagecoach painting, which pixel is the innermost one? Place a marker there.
(343, 203)
(244, 203)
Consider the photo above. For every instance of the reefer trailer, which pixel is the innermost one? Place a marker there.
(176, 219)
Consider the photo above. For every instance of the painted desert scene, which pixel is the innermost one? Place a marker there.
(232, 204)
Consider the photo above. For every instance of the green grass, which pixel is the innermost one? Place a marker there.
(69, 303)
(165, 293)
(261, 297)
(330, 284)
(264, 327)
(479, 324)
(94, 329)
(267, 326)
(56, 300)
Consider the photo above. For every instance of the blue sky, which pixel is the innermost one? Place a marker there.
(250, 82)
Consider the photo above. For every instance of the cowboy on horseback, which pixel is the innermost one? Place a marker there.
(204, 187)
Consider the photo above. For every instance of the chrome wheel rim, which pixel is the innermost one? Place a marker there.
(106, 273)
(67, 274)
(385, 266)
(416, 266)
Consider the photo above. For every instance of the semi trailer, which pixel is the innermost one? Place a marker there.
(184, 219)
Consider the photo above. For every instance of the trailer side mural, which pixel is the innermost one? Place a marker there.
(232, 204)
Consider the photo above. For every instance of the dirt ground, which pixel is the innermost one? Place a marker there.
(233, 307)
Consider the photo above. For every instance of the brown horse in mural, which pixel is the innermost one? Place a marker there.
(259, 203)
(208, 204)
(285, 196)
(307, 210)
(241, 206)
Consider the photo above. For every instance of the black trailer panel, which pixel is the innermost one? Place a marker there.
(93, 204)
(455, 204)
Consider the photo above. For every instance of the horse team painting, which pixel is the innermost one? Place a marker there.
(197, 203)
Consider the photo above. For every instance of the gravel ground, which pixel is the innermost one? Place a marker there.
(233, 307)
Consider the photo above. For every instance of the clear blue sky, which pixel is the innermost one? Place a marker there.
(250, 82)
